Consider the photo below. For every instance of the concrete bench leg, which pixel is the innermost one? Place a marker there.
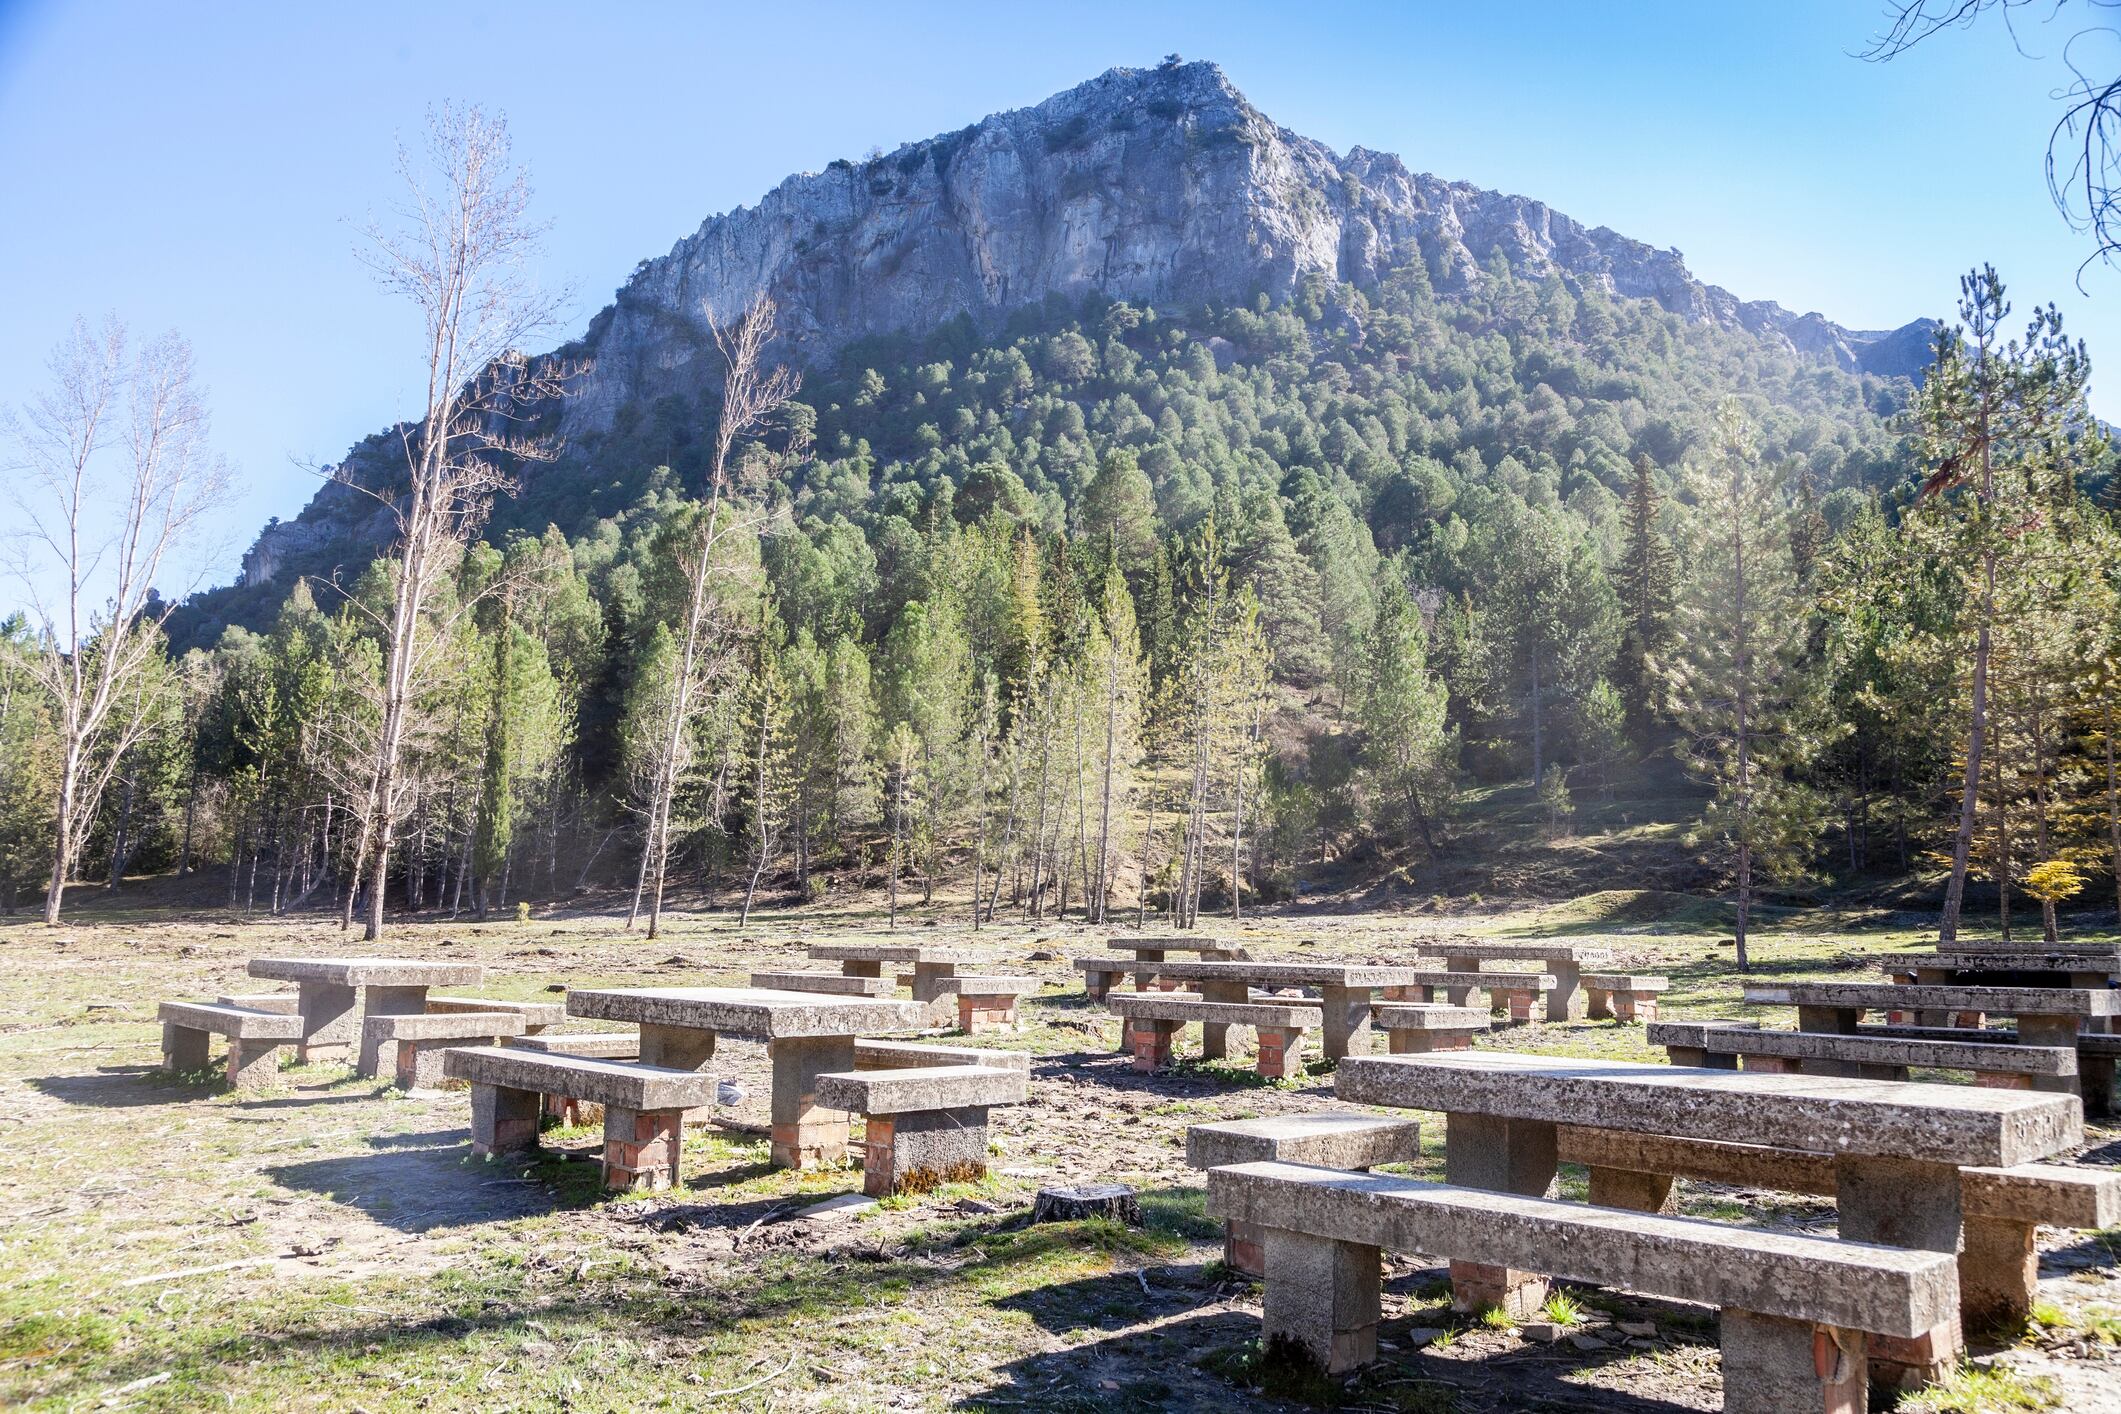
(1631, 1008)
(1411, 1042)
(1097, 985)
(2095, 1074)
(1245, 1247)
(2002, 1080)
(503, 1121)
(1215, 1035)
(679, 1048)
(386, 1001)
(856, 968)
(922, 1151)
(418, 1064)
(1281, 1052)
(1700, 1056)
(1777, 1366)
(1638, 1192)
(805, 1133)
(1150, 1043)
(1598, 1005)
(1323, 1300)
(253, 1065)
(1999, 1271)
(977, 1013)
(1561, 1001)
(641, 1148)
(1506, 1156)
(1881, 1072)
(1347, 1021)
(1771, 1065)
(185, 1048)
(1904, 1203)
(330, 1021)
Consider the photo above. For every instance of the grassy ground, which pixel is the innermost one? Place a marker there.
(332, 1245)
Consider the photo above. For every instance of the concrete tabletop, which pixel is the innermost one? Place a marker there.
(747, 1011)
(892, 952)
(367, 971)
(1964, 1125)
(1283, 974)
(2026, 960)
(1205, 947)
(1513, 952)
(1886, 996)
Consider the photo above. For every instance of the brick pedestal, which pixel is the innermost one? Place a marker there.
(1280, 1052)
(1629, 1007)
(977, 1012)
(641, 1148)
(1150, 1043)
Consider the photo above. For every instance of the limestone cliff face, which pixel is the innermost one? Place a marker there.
(1157, 186)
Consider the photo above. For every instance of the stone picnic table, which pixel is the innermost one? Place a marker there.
(327, 998)
(2046, 1016)
(2083, 967)
(1345, 991)
(1564, 961)
(934, 969)
(807, 1034)
(1897, 1147)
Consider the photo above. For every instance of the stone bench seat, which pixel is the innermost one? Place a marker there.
(2001, 1207)
(1153, 1020)
(927, 1125)
(593, 1045)
(1334, 1139)
(536, 1015)
(2009, 1067)
(835, 983)
(909, 1055)
(1512, 992)
(986, 1002)
(644, 1106)
(282, 1003)
(254, 1039)
(1797, 1310)
(411, 1043)
(1623, 996)
(1414, 1027)
(590, 1045)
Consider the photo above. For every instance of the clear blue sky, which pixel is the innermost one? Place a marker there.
(202, 166)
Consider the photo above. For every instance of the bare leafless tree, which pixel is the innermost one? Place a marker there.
(751, 393)
(112, 477)
(2084, 146)
(458, 250)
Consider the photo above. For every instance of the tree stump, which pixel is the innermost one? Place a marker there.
(1089, 1200)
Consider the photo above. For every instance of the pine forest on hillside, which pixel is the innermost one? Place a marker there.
(1125, 612)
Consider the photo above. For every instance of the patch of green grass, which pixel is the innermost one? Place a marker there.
(1967, 1390)
(1562, 1309)
(2100, 1323)
(1497, 1319)
(55, 1336)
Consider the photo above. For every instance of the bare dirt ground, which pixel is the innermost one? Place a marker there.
(332, 1244)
